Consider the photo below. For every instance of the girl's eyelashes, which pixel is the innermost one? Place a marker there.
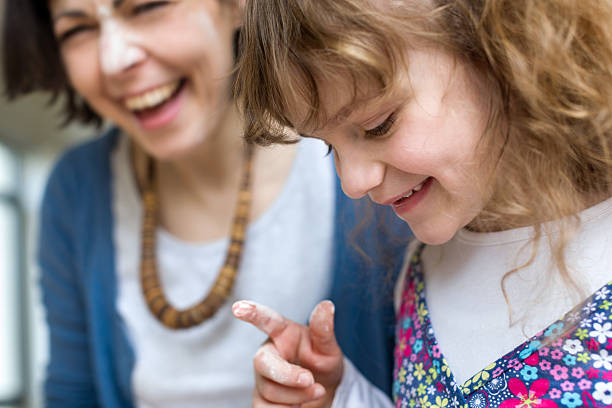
(148, 6)
(330, 149)
(382, 129)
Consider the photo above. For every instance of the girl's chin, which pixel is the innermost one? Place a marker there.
(432, 236)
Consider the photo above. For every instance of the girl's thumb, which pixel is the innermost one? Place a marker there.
(321, 327)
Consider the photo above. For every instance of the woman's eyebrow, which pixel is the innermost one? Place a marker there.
(75, 13)
(68, 14)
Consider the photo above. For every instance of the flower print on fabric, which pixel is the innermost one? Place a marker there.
(603, 392)
(568, 364)
(602, 332)
(528, 398)
(602, 360)
(573, 346)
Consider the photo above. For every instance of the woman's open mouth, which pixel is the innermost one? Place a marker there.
(157, 107)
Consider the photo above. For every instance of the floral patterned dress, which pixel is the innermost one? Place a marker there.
(569, 364)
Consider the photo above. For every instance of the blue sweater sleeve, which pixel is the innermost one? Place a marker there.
(69, 381)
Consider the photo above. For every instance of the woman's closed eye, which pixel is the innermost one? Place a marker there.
(74, 31)
(382, 129)
(136, 10)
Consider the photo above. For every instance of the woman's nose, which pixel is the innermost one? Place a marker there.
(119, 48)
(359, 173)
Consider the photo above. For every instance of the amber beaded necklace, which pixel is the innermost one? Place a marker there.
(149, 277)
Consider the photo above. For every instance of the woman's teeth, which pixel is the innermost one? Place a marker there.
(152, 98)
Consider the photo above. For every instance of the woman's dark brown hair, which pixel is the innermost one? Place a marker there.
(32, 62)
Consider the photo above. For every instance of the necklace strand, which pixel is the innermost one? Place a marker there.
(149, 277)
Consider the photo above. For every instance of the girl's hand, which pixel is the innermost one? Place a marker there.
(298, 365)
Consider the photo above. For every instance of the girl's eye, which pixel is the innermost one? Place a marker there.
(330, 149)
(382, 129)
(148, 6)
(73, 32)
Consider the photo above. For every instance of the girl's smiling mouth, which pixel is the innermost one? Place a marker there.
(409, 200)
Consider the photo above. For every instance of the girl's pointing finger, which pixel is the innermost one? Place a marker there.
(264, 318)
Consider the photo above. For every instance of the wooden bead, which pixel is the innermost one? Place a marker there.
(228, 272)
(169, 317)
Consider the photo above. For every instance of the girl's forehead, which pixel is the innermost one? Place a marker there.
(314, 110)
(323, 96)
(341, 102)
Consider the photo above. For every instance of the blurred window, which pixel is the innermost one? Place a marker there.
(8, 171)
(12, 323)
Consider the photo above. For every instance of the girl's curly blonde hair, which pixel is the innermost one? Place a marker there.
(548, 64)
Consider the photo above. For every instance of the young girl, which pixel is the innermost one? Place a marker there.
(487, 126)
(149, 232)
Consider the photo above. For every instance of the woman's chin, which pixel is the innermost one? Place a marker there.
(171, 149)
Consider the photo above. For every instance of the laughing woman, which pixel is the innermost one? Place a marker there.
(151, 230)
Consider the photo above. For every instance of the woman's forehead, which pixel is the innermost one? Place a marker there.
(100, 8)
(86, 3)
(89, 7)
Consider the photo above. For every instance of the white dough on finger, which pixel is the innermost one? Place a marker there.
(272, 366)
(263, 317)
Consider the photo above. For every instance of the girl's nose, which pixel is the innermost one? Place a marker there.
(119, 49)
(359, 173)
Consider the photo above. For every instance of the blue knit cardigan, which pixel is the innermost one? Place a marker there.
(91, 358)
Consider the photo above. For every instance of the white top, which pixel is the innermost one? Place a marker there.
(286, 265)
(467, 309)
